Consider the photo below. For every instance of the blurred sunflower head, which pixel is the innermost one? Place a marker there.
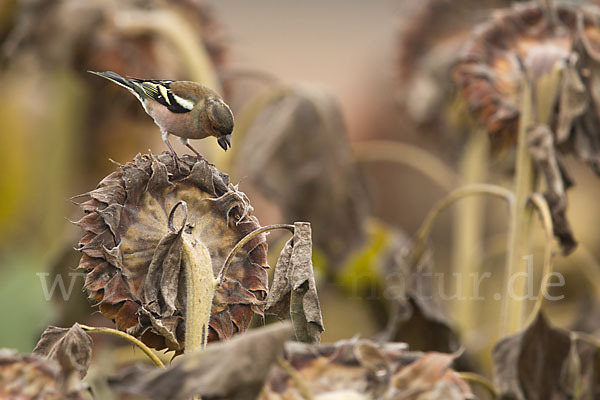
(529, 39)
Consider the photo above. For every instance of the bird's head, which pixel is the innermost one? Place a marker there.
(220, 118)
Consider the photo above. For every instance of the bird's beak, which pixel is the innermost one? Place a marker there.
(224, 141)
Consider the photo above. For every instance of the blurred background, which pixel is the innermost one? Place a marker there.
(313, 85)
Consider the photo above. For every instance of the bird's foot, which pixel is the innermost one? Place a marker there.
(175, 160)
(198, 155)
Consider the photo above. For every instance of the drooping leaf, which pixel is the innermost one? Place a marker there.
(573, 100)
(71, 348)
(416, 314)
(297, 147)
(541, 147)
(543, 362)
(294, 289)
(235, 369)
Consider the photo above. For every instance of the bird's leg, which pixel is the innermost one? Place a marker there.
(200, 156)
(165, 138)
(189, 146)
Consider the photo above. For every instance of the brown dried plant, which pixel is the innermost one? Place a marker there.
(133, 257)
(554, 49)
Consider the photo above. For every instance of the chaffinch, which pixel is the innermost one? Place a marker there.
(185, 109)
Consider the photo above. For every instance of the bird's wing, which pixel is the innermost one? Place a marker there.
(162, 93)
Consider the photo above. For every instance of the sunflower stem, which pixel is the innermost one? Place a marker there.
(541, 206)
(129, 338)
(199, 282)
(513, 305)
(410, 156)
(467, 247)
(480, 380)
(200, 286)
(243, 241)
(468, 190)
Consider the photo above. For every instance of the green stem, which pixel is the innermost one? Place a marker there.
(409, 155)
(468, 228)
(467, 190)
(128, 337)
(481, 380)
(183, 37)
(247, 116)
(513, 306)
(200, 285)
(544, 211)
(245, 240)
(296, 378)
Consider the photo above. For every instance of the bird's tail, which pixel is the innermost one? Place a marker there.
(119, 80)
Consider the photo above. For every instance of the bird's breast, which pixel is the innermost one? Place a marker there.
(184, 125)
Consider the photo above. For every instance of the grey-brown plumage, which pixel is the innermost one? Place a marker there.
(185, 109)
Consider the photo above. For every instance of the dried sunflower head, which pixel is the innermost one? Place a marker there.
(530, 39)
(31, 377)
(364, 369)
(431, 35)
(555, 50)
(119, 36)
(133, 277)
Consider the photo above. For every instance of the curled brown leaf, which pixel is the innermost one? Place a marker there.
(543, 362)
(541, 148)
(297, 147)
(71, 348)
(294, 290)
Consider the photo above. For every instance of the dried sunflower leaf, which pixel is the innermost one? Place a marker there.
(298, 146)
(235, 369)
(113, 256)
(543, 362)
(71, 348)
(294, 288)
(160, 176)
(108, 194)
(161, 284)
(414, 307)
(541, 147)
(573, 100)
(199, 177)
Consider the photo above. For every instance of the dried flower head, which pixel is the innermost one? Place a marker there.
(132, 271)
(126, 35)
(536, 40)
(555, 50)
(430, 38)
(31, 377)
(363, 369)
